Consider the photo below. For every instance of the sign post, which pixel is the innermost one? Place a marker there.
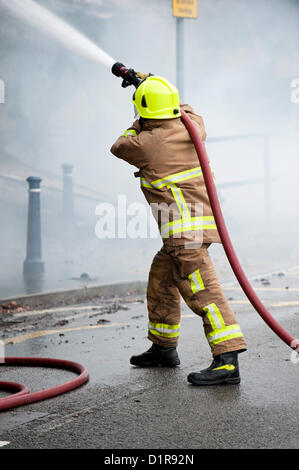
(182, 9)
(180, 56)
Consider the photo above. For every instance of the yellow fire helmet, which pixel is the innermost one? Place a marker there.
(157, 98)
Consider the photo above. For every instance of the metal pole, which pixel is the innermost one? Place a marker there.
(34, 266)
(180, 56)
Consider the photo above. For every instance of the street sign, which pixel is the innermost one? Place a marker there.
(185, 8)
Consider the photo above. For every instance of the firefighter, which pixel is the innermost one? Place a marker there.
(159, 145)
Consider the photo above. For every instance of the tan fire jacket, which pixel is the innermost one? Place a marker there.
(170, 177)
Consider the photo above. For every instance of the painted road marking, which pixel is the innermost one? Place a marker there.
(94, 307)
(286, 304)
(290, 303)
(4, 443)
(56, 309)
(268, 289)
(38, 334)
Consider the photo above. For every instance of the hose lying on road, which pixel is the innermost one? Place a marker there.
(227, 244)
(23, 395)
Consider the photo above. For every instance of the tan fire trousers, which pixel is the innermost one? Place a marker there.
(176, 272)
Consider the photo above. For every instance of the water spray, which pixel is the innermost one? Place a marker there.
(50, 24)
(120, 70)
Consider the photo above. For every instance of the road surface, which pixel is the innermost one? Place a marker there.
(123, 407)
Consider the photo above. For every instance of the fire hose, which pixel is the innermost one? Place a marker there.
(225, 238)
(22, 395)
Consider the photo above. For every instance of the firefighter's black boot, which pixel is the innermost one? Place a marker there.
(223, 370)
(157, 356)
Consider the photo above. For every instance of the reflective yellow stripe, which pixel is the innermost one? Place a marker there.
(192, 227)
(186, 223)
(227, 367)
(194, 223)
(145, 183)
(208, 219)
(224, 334)
(165, 335)
(196, 281)
(174, 178)
(163, 329)
(179, 199)
(214, 316)
(129, 132)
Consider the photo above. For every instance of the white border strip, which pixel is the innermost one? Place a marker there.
(4, 443)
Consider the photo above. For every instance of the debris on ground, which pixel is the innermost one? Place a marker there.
(96, 300)
(61, 323)
(12, 307)
(264, 281)
(84, 277)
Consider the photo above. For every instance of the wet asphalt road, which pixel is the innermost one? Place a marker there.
(123, 407)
